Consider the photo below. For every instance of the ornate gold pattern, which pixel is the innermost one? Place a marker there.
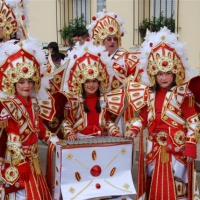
(179, 137)
(106, 26)
(72, 190)
(54, 123)
(15, 153)
(162, 138)
(57, 79)
(123, 151)
(69, 156)
(11, 174)
(165, 59)
(126, 186)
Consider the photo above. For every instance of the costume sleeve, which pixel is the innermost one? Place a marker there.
(67, 124)
(45, 135)
(139, 122)
(192, 123)
(14, 144)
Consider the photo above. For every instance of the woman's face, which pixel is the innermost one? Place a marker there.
(24, 87)
(91, 86)
(164, 79)
(51, 51)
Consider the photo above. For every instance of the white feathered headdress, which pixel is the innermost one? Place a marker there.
(161, 51)
(88, 62)
(106, 24)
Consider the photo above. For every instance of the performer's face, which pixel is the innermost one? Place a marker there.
(91, 86)
(24, 87)
(111, 44)
(164, 79)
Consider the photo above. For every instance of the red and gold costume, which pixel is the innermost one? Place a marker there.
(78, 121)
(125, 63)
(90, 65)
(21, 123)
(171, 120)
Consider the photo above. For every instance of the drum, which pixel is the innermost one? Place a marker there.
(93, 168)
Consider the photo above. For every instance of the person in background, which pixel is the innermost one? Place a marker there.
(167, 110)
(56, 56)
(75, 37)
(107, 30)
(83, 36)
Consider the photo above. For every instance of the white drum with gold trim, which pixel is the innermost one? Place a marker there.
(92, 168)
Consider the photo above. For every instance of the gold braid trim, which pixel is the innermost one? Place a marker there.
(3, 124)
(15, 153)
(164, 155)
(191, 102)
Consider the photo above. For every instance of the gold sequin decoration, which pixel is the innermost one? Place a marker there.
(27, 131)
(69, 156)
(115, 84)
(174, 123)
(179, 137)
(165, 118)
(114, 107)
(11, 174)
(123, 151)
(139, 103)
(115, 98)
(136, 94)
(57, 79)
(72, 190)
(135, 85)
(126, 186)
(54, 123)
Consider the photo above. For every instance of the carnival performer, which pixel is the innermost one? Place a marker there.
(24, 102)
(107, 30)
(88, 77)
(167, 110)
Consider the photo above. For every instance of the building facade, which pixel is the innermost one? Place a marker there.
(47, 17)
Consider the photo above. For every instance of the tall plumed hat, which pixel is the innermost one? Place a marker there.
(105, 24)
(88, 62)
(24, 59)
(13, 18)
(161, 51)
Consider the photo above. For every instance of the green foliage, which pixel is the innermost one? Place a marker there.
(155, 24)
(73, 26)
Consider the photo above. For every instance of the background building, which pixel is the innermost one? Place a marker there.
(47, 17)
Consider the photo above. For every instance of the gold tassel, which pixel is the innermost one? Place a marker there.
(36, 165)
(3, 124)
(164, 155)
(191, 102)
(66, 113)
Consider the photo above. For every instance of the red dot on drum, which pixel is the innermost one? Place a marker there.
(98, 186)
(95, 170)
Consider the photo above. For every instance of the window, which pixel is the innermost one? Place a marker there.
(166, 7)
(82, 7)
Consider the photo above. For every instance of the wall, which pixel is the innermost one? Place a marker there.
(189, 29)
(42, 14)
(42, 18)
